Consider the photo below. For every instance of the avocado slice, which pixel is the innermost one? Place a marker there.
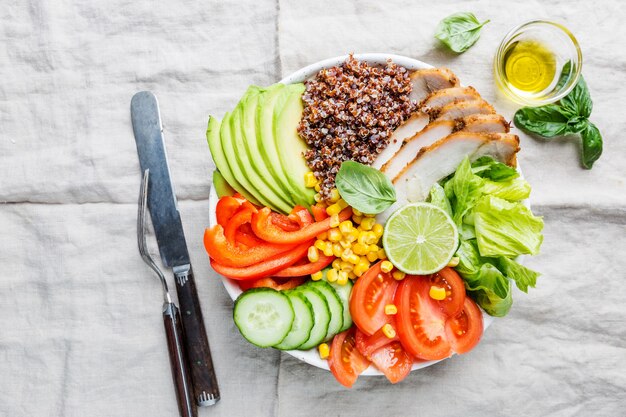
(272, 190)
(221, 186)
(213, 134)
(291, 147)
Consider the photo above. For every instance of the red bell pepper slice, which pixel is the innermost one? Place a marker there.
(247, 239)
(265, 268)
(319, 212)
(241, 217)
(275, 283)
(228, 254)
(266, 230)
(301, 216)
(306, 269)
(284, 222)
(226, 207)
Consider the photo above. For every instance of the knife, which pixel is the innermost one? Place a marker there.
(168, 229)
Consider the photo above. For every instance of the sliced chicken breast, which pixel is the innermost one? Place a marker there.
(432, 133)
(461, 109)
(486, 123)
(409, 128)
(440, 98)
(425, 81)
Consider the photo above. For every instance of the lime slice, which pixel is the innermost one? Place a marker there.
(420, 239)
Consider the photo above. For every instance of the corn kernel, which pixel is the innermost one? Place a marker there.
(318, 198)
(345, 226)
(437, 293)
(359, 249)
(313, 254)
(367, 223)
(353, 235)
(309, 180)
(342, 203)
(337, 264)
(386, 266)
(354, 259)
(381, 254)
(345, 243)
(454, 261)
(322, 236)
(320, 244)
(391, 309)
(357, 219)
(334, 220)
(333, 209)
(356, 212)
(345, 254)
(337, 250)
(328, 250)
(317, 276)
(334, 195)
(373, 248)
(342, 278)
(324, 350)
(372, 256)
(332, 276)
(365, 260)
(334, 235)
(368, 215)
(370, 238)
(360, 269)
(346, 266)
(317, 187)
(352, 275)
(398, 275)
(378, 230)
(389, 331)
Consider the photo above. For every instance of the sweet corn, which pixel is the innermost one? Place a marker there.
(357, 219)
(342, 203)
(378, 230)
(391, 309)
(359, 249)
(353, 235)
(368, 215)
(367, 223)
(373, 248)
(389, 331)
(352, 275)
(318, 198)
(320, 244)
(360, 269)
(370, 238)
(354, 259)
(372, 256)
(381, 254)
(345, 254)
(386, 266)
(345, 227)
(398, 275)
(337, 264)
(334, 235)
(328, 250)
(333, 209)
(317, 276)
(332, 275)
(334, 220)
(313, 254)
(334, 195)
(322, 236)
(437, 293)
(346, 266)
(454, 261)
(342, 278)
(356, 212)
(309, 180)
(337, 250)
(317, 187)
(324, 350)
(345, 243)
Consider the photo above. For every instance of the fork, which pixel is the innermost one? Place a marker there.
(171, 316)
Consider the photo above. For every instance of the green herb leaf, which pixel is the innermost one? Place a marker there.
(592, 145)
(487, 167)
(546, 121)
(459, 31)
(365, 188)
(578, 101)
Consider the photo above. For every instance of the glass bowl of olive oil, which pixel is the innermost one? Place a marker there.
(537, 63)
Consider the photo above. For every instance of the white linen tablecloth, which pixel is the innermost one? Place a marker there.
(80, 326)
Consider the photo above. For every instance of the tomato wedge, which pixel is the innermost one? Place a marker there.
(268, 231)
(226, 207)
(274, 283)
(367, 345)
(420, 322)
(370, 294)
(264, 268)
(450, 280)
(306, 269)
(393, 361)
(465, 330)
(345, 361)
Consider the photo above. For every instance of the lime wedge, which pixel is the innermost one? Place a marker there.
(420, 239)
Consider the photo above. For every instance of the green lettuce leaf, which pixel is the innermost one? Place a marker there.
(437, 196)
(487, 167)
(513, 190)
(466, 190)
(523, 277)
(506, 229)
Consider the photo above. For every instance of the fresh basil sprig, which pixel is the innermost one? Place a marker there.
(459, 31)
(568, 117)
(364, 188)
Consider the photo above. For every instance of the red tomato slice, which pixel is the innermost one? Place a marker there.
(368, 344)
(465, 330)
(393, 361)
(370, 294)
(420, 322)
(345, 361)
(450, 280)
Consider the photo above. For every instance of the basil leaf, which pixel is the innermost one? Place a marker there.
(578, 101)
(459, 31)
(565, 75)
(364, 188)
(592, 145)
(546, 121)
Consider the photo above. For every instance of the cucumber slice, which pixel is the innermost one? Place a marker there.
(264, 316)
(334, 305)
(321, 316)
(344, 292)
(302, 324)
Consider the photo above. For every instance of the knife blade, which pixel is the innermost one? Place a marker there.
(163, 208)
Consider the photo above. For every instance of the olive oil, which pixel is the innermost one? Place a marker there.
(529, 67)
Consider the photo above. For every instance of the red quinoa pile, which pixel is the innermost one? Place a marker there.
(349, 113)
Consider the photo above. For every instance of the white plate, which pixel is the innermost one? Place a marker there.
(311, 356)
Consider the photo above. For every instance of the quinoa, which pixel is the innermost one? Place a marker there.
(350, 112)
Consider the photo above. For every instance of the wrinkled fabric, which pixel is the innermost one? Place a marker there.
(80, 329)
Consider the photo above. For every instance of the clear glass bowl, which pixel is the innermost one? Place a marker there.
(556, 38)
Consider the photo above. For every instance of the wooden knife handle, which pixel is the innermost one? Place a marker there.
(180, 372)
(205, 389)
